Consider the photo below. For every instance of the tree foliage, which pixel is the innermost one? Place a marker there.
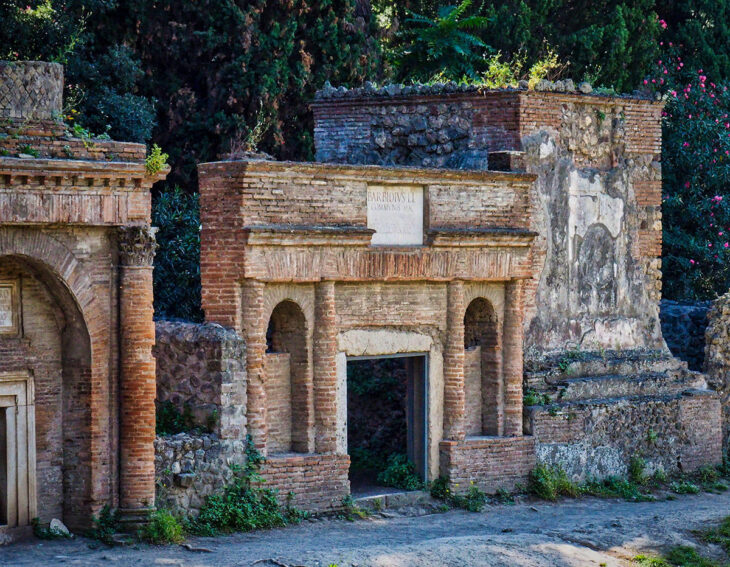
(444, 45)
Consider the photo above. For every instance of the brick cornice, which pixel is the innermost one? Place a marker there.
(367, 173)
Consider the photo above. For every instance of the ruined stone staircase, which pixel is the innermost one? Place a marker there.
(593, 411)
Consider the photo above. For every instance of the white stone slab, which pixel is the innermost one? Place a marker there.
(395, 212)
(7, 318)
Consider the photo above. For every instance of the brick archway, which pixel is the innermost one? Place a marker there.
(51, 347)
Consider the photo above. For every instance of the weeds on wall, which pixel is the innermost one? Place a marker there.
(104, 526)
(244, 505)
(171, 421)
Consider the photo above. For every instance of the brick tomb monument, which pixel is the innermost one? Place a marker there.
(467, 232)
(77, 376)
(606, 385)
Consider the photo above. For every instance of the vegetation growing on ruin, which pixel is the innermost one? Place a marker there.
(244, 504)
(472, 499)
(400, 473)
(551, 483)
(162, 528)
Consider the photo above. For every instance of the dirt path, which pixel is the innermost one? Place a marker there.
(572, 533)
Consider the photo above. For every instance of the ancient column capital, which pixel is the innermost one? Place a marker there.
(137, 245)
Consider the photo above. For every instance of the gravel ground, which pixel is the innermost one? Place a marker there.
(576, 533)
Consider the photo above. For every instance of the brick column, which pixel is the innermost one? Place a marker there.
(512, 356)
(254, 324)
(454, 396)
(137, 386)
(325, 368)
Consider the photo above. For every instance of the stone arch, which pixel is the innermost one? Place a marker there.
(483, 369)
(53, 347)
(289, 390)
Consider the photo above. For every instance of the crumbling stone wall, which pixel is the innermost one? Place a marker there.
(188, 468)
(202, 366)
(717, 357)
(683, 328)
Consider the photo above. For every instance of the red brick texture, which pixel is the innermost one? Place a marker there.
(489, 462)
(295, 234)
(58, 225)
(454, 400)
(138, 383)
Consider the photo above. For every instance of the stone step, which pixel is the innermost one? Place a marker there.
(580, 364)
(396, 501)
(622, 386)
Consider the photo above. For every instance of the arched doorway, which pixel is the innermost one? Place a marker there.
(482, 369)
(288, 380)
(46, 368)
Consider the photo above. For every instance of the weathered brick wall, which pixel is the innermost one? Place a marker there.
(294, 238)
(244, 202)
(473, 390)
(202, 366)
(317, 482)
(683, 328)
(582, 148)
(278, 402)
(492, 463)
(60, 224)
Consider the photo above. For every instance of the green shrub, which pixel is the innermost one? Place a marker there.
(400, 473)
(162, 528)
(684, 487)
(533, 398)
(243, 505)
(615, 487)
(156, 160)
(104, 526)
(440, 488)
(177, 262)
(637, 470)
(170, 420)
(549, 483)
(719, 535)
(472, 500)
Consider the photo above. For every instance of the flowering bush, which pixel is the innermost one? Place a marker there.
(696, 173)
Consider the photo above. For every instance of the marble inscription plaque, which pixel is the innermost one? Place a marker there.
(7, 316)
(395, 212)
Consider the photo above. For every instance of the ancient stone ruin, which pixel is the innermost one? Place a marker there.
(77, 376)
(491, 255)
(466, 231)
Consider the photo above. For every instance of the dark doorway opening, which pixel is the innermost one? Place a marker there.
(387, 423)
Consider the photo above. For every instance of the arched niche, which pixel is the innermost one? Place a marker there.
(289, 397)
(482, 369)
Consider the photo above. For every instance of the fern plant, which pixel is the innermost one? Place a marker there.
(446, 45)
